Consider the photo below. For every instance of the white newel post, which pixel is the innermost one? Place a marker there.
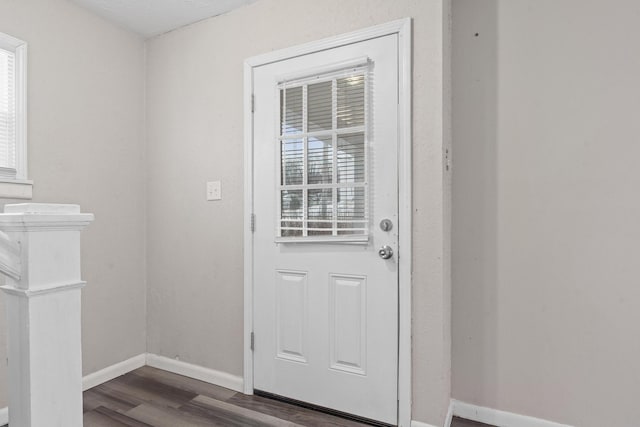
(43, 312)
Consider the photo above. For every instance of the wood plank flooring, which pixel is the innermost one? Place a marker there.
(461, 422)
(151, 397)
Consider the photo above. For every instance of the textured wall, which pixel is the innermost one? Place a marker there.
(85, 131)
(546, 230)
(195, 134)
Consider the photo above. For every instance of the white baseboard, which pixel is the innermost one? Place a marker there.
(447, 421)
(207, 375)
(210, 376)
(498, 418)
(113, 371)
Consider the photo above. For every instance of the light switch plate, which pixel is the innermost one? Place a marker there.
(214, 190)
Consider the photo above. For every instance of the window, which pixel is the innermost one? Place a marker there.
(13, 161)
(323, 192)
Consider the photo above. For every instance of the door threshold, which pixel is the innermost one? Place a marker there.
(322, 409)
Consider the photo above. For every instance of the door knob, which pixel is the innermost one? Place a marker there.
(385, 252)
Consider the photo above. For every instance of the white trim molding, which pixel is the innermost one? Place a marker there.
(449, 418)
(248, 230)
(402, 28)
(16, 189)
(498, 418)
(211, 376)
(113, 371)
(24, 187)
(190, 370)
(405, 217)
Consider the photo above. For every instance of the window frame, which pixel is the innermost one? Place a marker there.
(18, 187)
(330, 73)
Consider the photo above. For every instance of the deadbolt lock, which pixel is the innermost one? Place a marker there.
(386, 224)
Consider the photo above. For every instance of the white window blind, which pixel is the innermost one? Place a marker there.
(323, 192)
(7, 114)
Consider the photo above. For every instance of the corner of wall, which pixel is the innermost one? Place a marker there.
(145, 180)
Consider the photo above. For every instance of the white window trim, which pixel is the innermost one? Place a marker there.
(20, 187)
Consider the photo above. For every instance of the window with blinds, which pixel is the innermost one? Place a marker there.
(7, 114)
(13, 110)
(323, 191)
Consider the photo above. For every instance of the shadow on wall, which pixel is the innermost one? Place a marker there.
(475, 201)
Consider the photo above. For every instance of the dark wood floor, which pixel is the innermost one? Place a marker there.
(151, 397)
(461, 422)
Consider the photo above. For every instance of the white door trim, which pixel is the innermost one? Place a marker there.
(402, 28)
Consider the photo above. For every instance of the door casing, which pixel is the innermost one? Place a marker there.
(402, 28)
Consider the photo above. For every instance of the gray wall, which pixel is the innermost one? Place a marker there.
(195, 134)
(546, 223)
(85, 146)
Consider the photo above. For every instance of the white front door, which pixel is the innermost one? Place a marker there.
(325, 174)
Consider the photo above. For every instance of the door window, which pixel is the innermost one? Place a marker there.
(323, 191)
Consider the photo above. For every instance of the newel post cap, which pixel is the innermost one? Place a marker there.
(43, 216)
(42, 208)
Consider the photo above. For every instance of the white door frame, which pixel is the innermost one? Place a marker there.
(402, 28)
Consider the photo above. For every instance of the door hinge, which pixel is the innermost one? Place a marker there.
(252, 341)
(253, 222)
(447, 160)
(253, 103)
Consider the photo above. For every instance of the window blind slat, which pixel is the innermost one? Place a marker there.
(351, 158)
(323, 188)
(292, 165)
(291, 110)
(350, 99)
(7, 111)
(319, 160)
(319, 106)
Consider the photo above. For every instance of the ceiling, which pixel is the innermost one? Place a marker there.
(152, 17)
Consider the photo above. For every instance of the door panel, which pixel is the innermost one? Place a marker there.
(326, 308)
(291, 309)
(348, 317)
